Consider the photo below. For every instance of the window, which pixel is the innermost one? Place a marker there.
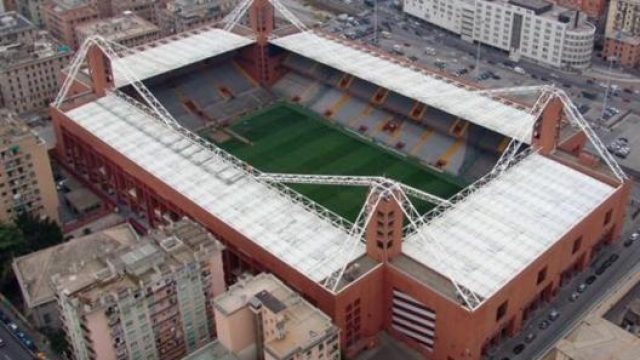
(607, 217)
(577, 243)
(502, 310)
(542, 274)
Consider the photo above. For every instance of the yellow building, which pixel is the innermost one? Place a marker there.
(26, 180)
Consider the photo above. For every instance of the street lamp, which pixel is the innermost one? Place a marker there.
(607, 90)
(478, 50)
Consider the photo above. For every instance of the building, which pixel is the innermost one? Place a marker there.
(622, 34)
(610, 331)
(8, 5)
(37, 271)
(454, 281)
(61, 17)
(146, 9)
(212, 351)
(534, 30)
(127, 29)
(32, 10)
(149, 300)
(27, 183)
(176, 16)
(593, 8)
(29, 65)
(262, 315)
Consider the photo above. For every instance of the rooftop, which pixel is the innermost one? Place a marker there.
(178, 51)
(12, 131)
(12, 22)
(538, 6)
(212, 351)
(496, 232)
(304, 324)
(118, 28)
(428, 88)
(71, 259)
(286, 228)
(64, 5)
(190, 8)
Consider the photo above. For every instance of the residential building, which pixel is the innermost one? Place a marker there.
(532, 29)
(32, 10)
(63, 16)
(593, 8)
(260, 317)
(149, 301)
(212, 351)
(127, 29)
(8, 5)
(146, 9)
(622, 34)
(26, 184)
(29, 65)
(181, 15)
(36, 272)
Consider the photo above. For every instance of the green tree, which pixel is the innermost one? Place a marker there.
(11, 244)
(38, 233)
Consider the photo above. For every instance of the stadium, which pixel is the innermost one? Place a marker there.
(390, 196)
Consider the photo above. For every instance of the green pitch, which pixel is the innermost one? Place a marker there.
(287, 138)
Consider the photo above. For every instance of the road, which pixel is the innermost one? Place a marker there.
(572, 312)
(12, 349)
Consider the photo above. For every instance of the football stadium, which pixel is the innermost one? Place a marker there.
(390, 196)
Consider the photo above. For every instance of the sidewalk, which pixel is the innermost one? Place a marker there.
(603, 73)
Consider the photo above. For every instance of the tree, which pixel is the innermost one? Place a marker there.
(11, 243)
(38, 233)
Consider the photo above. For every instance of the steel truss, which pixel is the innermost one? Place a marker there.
(550, 92)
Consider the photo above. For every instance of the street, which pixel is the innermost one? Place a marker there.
(12, 349)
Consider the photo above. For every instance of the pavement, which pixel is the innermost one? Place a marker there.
(40, 341)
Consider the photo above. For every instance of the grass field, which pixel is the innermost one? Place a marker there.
(288, 139)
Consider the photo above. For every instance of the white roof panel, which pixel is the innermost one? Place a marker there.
(149, 61)
(497, 231)
(446, 95)
(299, 237)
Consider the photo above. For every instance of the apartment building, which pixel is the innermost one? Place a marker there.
(8, 5)
(622, 34)
(176, 16)
(36, 270)
(261, 318)
(26, 181)
(61, 17)
(29, 63)
(127, 29)
(32, 10)
(593, 8)
(148, 301)
(533, 29)
(146, 9)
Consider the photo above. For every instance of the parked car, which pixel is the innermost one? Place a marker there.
(543, 324)
(554, 315)
(574, 296)
(530, 337)
(590, 279)
(518, 348)
(581, 288)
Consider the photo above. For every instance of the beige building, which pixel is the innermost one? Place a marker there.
(146, 9)
(127, 29)
(29, 65)
(37, 271)
(176, 16)
(147, 301)
(611, 331)
(623, 32)
(26, 181)
(31, 9)
(62, 16)
(262, 316)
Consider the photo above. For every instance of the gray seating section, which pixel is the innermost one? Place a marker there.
(484, 138)
(363, 89)
(434, 147)
(227, 74)
(398, 103)
(438, 119)
(328, 97)
(351, 109)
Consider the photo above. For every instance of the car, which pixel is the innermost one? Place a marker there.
(543, 324)
(21, 334)
(4, 318)
(613, 258)
(590, 279)
(554, 315)
(12, 326)
(627, 243)
(530, 337)
(601, 269)
(1, 342)
(574, 296)
(581, 288)
(634, 236)
(518, 348)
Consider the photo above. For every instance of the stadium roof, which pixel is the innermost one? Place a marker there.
(446, 95)
(169, 54)
(298, 236)
(498, 230)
